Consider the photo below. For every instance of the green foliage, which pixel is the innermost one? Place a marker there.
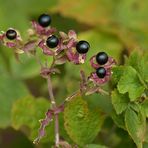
(95, 146)
(145, 107)
(82, 124)
(117, 73)
(28, 115)
(140, 63)
(136, 125)
(118, 120)
(130, 83)
(119, 101)
(9, 93)
(27, 112)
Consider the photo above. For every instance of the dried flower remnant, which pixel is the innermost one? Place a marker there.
(12, 39)
(74, 47)
(40, 31)
(66, 46)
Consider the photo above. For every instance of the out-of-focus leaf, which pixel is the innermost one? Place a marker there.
(119, 101)
(127, 13)
(27, 112)
(127, 19)
(3, 70)
(97, 11)
(27, 67)
(10, 90)
(132, 13)
(130, 83)
(100, 41)
(95, 146)
(26, 10)
(136, 126)
(82, 124)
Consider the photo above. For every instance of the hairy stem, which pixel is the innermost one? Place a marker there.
(53, 103)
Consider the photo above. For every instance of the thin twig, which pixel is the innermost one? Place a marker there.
(69, 98)
(104, 92)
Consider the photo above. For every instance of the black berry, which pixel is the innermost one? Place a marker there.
(101, 72)
(82, 47)
(101, 58)
(52, 41)
(11, 34)
(44, 20)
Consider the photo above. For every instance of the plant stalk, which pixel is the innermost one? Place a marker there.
(53, 103)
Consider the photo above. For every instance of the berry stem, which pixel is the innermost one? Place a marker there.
(50, 90)
(53, 103)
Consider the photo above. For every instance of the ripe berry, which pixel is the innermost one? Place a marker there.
(52, 41)
(44, 20)
(11, 34)
(101, 58)
(101, 72)
(82, 47)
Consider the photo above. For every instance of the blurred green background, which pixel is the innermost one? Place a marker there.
(114, 26)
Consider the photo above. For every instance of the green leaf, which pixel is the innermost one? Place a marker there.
(133, 60)
(10, 90)
(27, 112)
(130, 83)
(117, 73)
(145, 107)
(95, 146)
(119, 101)
(82, 124)
(119, 120)
(144, 67)
(139, 61)
(136, 126)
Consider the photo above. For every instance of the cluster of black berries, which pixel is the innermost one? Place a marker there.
(101, 59)
(52, 41)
